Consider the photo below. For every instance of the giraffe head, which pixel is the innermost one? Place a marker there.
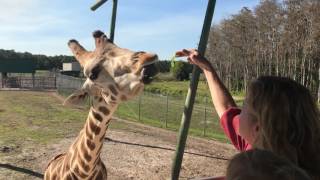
(110, 68)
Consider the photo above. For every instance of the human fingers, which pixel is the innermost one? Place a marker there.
(182, 53)
(191, 51)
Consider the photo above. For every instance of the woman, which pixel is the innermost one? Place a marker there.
(278, 115)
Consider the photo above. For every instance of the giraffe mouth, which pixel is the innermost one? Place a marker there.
(148, 72)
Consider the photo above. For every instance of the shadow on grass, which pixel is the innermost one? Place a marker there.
(163, 148)
(22, 170)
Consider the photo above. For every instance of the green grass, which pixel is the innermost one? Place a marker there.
(36, 117)
(176, 88)
(180, 90)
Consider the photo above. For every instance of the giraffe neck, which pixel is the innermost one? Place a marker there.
(86, 149)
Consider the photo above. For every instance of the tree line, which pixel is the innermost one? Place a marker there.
(279, 38)
(42, 62)
(180, 71)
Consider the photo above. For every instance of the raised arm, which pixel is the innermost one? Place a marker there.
(221, 97)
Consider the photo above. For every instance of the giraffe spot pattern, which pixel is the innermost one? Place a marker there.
(113, 98)
(111, 54)
(87, 156)
(90, 144)
(74, 177)
(83, 164)
(54, 177)
(97, 116)
(77, 171)
(113, 90)
(104, 110)
(85, 153)
(94, 128)
(69, 177)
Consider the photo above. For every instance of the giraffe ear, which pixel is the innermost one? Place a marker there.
(78, 98)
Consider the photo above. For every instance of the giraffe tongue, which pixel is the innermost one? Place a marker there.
(148, 72)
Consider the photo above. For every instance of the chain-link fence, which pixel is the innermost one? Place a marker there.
(38, 81)
(166, 112)
(159, 110)
(68, 84)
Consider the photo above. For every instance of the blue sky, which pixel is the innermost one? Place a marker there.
(160, 26)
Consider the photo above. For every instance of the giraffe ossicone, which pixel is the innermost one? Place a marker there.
(114, 75)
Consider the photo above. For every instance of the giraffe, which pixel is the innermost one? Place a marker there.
(114, 75)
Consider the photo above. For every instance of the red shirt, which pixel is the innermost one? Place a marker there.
(230, 124)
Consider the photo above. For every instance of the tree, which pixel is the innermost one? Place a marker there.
(275, 38)
(181, 70)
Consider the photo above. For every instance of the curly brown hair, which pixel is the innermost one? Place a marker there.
(288, 119)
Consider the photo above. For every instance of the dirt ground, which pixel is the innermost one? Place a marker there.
(136, 152)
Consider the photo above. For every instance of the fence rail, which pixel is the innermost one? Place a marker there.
(68, 82)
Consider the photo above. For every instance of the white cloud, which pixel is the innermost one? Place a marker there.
(18, 16)
(31, 24)
(16, 8)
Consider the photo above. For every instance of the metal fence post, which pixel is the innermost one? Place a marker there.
(113, 16)
(186, 116)
(113, 20)
(55, 82)
(167, 110)
(205, 117)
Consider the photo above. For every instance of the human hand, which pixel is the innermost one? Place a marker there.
(195, 58)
